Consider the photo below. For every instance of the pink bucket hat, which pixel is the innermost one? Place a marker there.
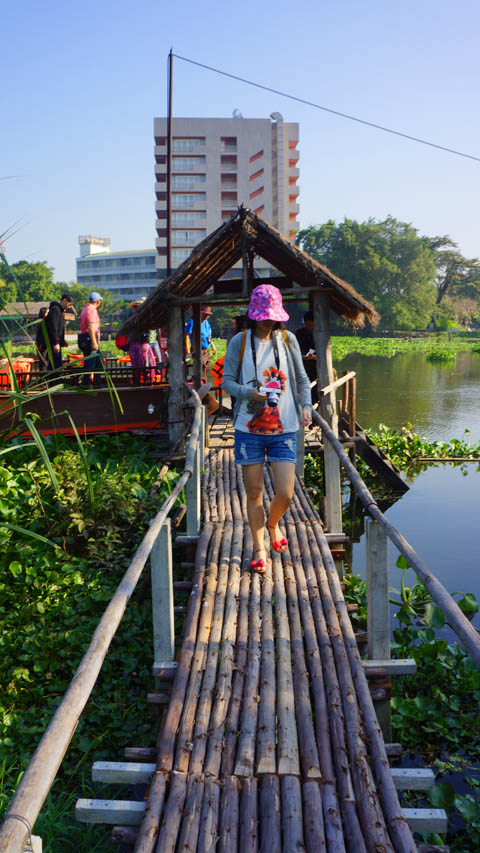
(266, 304)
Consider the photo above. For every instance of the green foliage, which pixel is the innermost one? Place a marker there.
(53, 591)
(442, 355)
(386, 261)
(33, 281)
(388, 347)
(404, 447)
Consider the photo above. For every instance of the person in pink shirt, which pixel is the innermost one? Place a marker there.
(89, 339)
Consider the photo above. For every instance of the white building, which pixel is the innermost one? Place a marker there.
(217, 164)
(126, 274)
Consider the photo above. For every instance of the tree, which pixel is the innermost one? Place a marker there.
(457, 277)
(386, 261)
(35, 281)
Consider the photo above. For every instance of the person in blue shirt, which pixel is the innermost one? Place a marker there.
(206, 339)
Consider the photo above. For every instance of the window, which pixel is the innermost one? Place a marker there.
(257, 192)
(188, 219)
(187, 182)
(229, 180)
(188, 238)
(187, 164)
(230, 198)
(227, 214)
(228, 143)
(186, 146)
(228, 162)
(182, 200)
(179, 255)
(255, 156)
(256, 175)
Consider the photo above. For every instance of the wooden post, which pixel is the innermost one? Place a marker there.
(328, 410)
(176, 421)
(193, 495)
(162, 597)
(378, 610)
(300, 465)
(203, 438)
(197, 346)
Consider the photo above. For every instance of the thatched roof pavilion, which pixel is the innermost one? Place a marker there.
(243, 236)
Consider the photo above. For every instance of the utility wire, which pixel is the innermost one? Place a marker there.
(328, 110)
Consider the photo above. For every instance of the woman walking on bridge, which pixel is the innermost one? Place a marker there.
(264, 372)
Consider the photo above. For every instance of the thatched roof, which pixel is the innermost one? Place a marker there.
(215, 255)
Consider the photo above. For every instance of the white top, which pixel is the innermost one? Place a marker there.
(259, 417)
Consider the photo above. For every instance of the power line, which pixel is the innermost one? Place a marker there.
(328, 110)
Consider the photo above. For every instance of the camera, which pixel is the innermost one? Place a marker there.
(273, 395)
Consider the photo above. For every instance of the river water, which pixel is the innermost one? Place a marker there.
(439, 515)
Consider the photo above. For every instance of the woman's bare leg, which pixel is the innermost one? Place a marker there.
(253, 478)
(284, 483)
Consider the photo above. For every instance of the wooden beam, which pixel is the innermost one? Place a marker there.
(176, 419)
(122, 772)
(399, 666)
(426, 820)
(185, 301)
(122, 812)
(413, 778)
(338, 382)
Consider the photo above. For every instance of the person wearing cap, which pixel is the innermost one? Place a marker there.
(264, 371)
(206, 341)
(89, 338)
(55, 329)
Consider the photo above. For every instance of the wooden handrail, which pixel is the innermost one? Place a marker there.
(449, 607)
(42, 769)
(338, 382)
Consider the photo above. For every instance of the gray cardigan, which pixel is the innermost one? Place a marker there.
(299, 381)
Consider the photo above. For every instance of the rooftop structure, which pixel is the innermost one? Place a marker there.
(125, 274)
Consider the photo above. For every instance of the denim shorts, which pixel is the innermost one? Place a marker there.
(251, 447)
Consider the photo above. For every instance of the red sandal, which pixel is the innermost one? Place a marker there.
(258, 565)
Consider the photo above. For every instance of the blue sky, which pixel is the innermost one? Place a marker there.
(83, 81)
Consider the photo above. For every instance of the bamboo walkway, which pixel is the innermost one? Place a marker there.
(270, 741)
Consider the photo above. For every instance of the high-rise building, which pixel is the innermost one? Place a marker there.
(217, 164)
(126, 274)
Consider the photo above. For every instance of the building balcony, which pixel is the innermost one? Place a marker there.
(294, 155)
(293, 208)
(294, 190)
(293, 173)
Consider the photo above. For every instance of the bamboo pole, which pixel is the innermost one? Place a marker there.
(244, 765)
(225, 674)
(229, 816)
(266, 730)
(269, 809)
(312, 818)
(191, 814)
(41, 771)
(167, 839)
(292, 814)
(208, 832)
(241, 646)
(398, 827)
(456, 619)
(184, 738)
(148, 831)
(203, 710)
(248, 836)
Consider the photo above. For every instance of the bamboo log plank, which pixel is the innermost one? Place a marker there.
(308, 749)
(368, 806)
(269, 812)
(266, 728)
(184, 738)
(245, 762)
(204, 707)
(329, 714)
(191, 815)
(234, 494)
(396, 822)
(312, 818)
(227, 486)
(225, 674)
(288, 758)
(220, 486)
(170, 826)
(167, 734)
(292, 815)
(229, 816)
(248, 837)
(208, 832)
(233, 715)
(148, 832)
